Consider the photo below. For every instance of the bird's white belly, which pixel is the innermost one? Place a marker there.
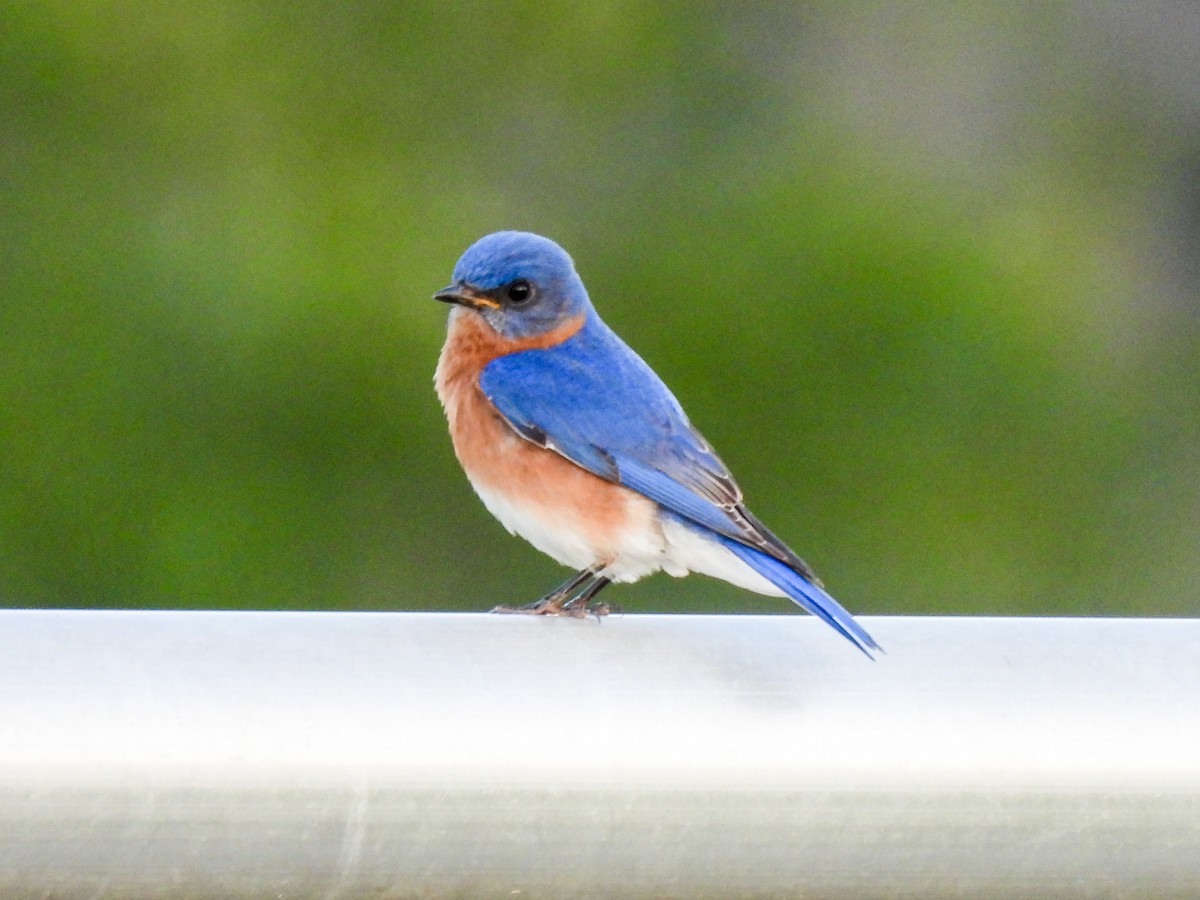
(648, 544)
(633, 552)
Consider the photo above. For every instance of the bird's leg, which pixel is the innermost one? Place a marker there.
(582, 605)
(555, 602)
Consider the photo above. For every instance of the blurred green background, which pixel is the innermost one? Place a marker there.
(925, 274)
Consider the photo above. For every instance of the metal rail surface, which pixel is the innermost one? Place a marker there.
(233, 754)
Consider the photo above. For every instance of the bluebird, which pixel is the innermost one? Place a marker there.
(575, 444)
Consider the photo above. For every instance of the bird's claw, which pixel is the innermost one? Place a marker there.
(541, 607)
(581, 610)
(600, 609)
(575, 608)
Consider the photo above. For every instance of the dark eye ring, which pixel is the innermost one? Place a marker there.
(519, 291)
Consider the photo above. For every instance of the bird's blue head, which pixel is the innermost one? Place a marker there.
(523, 284)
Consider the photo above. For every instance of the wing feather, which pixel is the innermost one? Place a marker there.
(595, 402)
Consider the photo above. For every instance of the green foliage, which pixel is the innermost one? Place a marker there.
(917, 313)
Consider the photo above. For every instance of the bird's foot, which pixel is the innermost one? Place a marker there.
(577, 608)
(547, 606)
(575, 597)
(581, 609)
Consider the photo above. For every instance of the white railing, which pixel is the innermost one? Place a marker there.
(360, 754)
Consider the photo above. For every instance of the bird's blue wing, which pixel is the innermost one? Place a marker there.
(595, 401)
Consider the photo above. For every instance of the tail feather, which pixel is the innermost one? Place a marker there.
(805, 594)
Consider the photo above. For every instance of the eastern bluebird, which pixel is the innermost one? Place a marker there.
(574, 443)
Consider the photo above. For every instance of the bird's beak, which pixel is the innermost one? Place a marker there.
(465, 295)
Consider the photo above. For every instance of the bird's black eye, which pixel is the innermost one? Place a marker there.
(519, 291)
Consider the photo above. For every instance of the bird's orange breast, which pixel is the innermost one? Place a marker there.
(498, 459)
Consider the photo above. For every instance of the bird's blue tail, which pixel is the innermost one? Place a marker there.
(804, 593)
